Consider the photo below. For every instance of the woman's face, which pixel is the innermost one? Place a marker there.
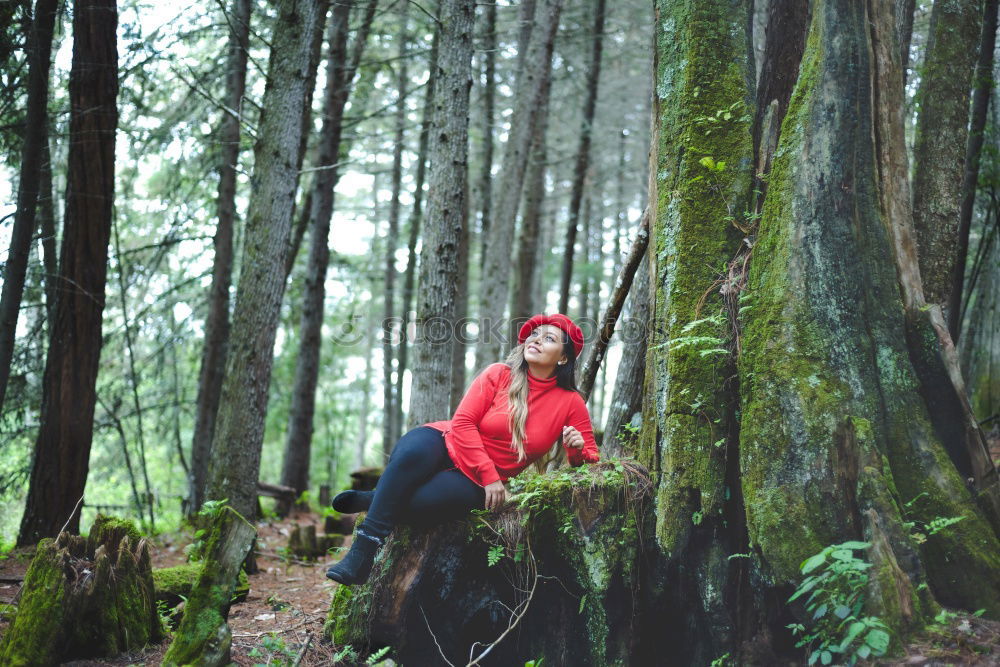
(543, 348)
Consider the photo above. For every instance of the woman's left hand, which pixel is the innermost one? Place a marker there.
(572, 438)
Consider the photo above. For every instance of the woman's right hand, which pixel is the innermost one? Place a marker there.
(496, 495)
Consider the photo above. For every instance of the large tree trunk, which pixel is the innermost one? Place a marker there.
(235, 464)
(29, 181)
(833, 440)
(339, 76)
(213, 355)
(446, 204)
(531, 87)
(62, 451)
(489, 47)
(582, 154)
(942, 131)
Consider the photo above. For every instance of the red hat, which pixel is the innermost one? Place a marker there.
(557, 320)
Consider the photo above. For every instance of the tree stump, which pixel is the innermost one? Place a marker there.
(204, 637)
(365, 479)
(305, 543)
(555, 575)
(85, 598)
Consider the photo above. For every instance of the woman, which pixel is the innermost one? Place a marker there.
(511, 415)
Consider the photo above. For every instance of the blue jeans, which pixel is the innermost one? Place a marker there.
(421, 486)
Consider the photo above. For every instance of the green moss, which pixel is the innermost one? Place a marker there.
(35, 636)
(173, 583)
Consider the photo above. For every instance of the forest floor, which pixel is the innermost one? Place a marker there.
(282, 618)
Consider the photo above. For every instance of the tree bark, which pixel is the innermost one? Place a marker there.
(62, 450)
(982, 88)
(29, 186)
(489, 37)
(530, 88)
(941, 137)
(235, 463)
(389, 396)
(446, 203)
(416, 216)
(582, 154)
(213, 355)
(339, 76)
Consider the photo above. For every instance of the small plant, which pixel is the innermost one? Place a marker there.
(494, 554)
(377, 656)
(723, 660)
(274, 651)
(919, 530)
(835, 599)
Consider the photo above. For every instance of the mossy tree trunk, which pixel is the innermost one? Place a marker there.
(203, 637)
(798, 393)
(85, 598)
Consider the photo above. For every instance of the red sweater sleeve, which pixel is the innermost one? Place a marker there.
(579, 419)
(465, 424)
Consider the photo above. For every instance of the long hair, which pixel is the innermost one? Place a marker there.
(517, 395)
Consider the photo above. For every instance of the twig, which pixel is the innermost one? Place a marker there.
(443, 656)
(305, 647)
(71, 514)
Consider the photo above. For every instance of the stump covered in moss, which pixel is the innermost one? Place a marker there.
(84, 598)
(204, 637)
(173, 584)
(554, 576)
(305, 543)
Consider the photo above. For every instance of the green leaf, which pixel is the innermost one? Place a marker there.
(852, 632)
(864, 651)
(812, 563)
(819, 612)
(854, 545)
(707, 162)
(843, 554)
(878, 640)
(826, 657)
(842, 611)
(813, 657)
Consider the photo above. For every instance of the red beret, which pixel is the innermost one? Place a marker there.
(557, 320)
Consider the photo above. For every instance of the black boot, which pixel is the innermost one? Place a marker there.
(352, 502)
(355, 567)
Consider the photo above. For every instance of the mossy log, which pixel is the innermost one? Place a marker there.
(204, 637)
(365, 479)
(84, 597)
(305, 543)
(556, 575)
(172, 585)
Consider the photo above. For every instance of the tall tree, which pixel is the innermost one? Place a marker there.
(340, 72)
(582, 153)
(941, 136)
(828, 431)
(235, 464)
(213, 355)
(982, 90)
(390, 431)
(33, 153)
(62, 451)
(489, 51)
(446, 203)
(416, 217)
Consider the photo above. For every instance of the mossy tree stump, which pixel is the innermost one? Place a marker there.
(305, 543)
(203, 637)
(556, 575)
(85, 598)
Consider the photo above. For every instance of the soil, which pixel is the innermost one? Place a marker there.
(282, 617)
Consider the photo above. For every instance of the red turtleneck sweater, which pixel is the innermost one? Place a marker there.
(478, 438)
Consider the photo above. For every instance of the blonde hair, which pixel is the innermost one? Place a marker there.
(517, 399)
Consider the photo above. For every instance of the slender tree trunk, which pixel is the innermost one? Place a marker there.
(389, 396)
(62, 451)
(366, 396)
(339, 76)
(983, 85)
(489, 37)
(583, 153)
(47, 230)
(213, 355)
(29, 180)
(527, 267)
(461, 311)
(529, 97)
(941, 137)
(235, 465)
(585, 283)
(416, 215)
(446, 205)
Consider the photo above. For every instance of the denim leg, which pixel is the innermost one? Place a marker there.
(418, 455)
(447, 495)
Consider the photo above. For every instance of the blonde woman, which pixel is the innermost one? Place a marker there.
(510, 416)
